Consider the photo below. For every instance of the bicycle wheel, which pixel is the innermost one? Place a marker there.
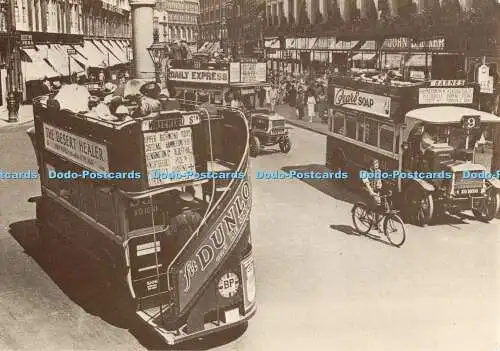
(362, 218)
(394, 229)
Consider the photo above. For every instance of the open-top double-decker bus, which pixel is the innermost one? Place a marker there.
(385, 120)
(163, 213)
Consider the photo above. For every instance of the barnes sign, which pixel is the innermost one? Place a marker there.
(361, 101)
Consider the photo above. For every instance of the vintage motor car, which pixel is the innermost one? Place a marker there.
(268, 129)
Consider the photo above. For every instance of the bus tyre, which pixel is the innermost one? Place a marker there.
(285, 145)
(420, 208)
(254, 146)
(489, 208)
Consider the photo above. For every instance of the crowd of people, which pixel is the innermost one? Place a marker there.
(305, 92)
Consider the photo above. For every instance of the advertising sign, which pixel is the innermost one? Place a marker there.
(445, 96)
(169, 151)
(199, 76)
(361, 101)
(234, 72)
(82, 151)
(248, 278)
(213, 243)
(484, 79)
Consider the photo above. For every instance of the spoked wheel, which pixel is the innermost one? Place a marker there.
(362, 218)
(490, 207)
(420, 209)
(254, 146)
(394, 230)
(285, 145)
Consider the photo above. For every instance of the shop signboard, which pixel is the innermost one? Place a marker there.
(324, 43)
(484, 79)
(404, 44)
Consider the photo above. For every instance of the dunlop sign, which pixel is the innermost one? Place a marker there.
(86, 153)
(199, 76)
(213, 244)
(361, 101)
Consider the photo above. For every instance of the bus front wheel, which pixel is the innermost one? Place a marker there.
(420, 209)
(490, 207)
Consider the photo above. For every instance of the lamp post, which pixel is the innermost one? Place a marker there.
(11, 61)
(130, 56)
(158, 52)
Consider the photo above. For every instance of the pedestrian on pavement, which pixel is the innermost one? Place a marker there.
(301, 102)
(274, 98)
(322, 106)
(311, 105)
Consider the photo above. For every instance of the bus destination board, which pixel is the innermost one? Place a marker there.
(445, 96)
(170, 154)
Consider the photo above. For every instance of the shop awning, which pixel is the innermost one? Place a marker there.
(418, 61)
(392, 60)
(109, 58)
(312, 42)
(368, 45)
(204, 46)
(94, 57)
(115, 50)
(346, 45)
(76, 67)
(37, 68)
(364, 56)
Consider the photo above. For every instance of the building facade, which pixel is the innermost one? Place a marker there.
(57, 38)
(177, 20)
(235, 27)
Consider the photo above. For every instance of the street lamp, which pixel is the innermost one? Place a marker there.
(12, 71)
(130, 55)
(158, 52)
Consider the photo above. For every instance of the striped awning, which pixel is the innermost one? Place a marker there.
(109, 57)
(36, 68)
(364, 56)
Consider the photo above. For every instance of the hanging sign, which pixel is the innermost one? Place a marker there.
(483, 78)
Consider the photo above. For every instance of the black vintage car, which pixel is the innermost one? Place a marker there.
(268, 129)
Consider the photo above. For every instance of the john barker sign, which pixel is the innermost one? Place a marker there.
(361, 101)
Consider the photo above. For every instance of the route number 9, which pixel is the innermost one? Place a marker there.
(470, 122)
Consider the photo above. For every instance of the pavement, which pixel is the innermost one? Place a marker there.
(290, 113)
(25, 116)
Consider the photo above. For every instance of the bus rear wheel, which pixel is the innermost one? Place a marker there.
(420, 208)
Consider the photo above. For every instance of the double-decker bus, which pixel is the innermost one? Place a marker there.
(384, 120)
(148, 198)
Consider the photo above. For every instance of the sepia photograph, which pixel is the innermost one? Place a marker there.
(247, 175)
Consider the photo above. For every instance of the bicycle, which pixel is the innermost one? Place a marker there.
(363, 215)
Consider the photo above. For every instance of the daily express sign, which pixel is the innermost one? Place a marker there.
(213, 244)
(199, 76)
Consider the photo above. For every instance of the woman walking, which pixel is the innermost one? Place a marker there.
(311, 105)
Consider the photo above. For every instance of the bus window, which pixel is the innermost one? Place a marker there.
(361, 130)
(351, 127)
(338, 123)
(386, 137)
(371, 132)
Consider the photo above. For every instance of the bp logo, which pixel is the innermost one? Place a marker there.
(228, 285)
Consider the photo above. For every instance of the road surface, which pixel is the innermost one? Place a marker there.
(320, 286)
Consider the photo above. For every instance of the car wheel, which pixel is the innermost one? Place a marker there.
(490, 208)
(285, 145)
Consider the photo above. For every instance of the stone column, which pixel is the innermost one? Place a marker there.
(346, 9)
(322, 8)
(295, 10)
(142, 37)
(310, 8)
(393, 6)
(466, 5)
(363, 6)
(286, 10)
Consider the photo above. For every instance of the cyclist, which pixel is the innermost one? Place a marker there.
(374, 186)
